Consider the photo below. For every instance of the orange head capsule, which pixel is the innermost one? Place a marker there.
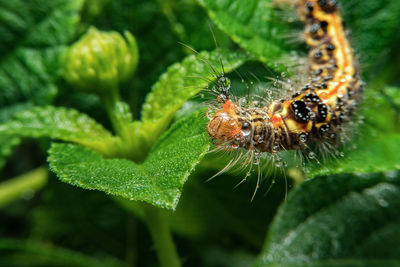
(224, 126)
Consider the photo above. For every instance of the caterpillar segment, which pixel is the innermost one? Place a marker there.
(316, 112)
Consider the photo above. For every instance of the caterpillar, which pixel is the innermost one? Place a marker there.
(316, 112)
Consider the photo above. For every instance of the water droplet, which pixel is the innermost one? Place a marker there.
(283, 74)
(303, 138)
(242, 102)
(311, 155)
(246, 132)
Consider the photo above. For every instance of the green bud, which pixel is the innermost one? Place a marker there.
(100, 60)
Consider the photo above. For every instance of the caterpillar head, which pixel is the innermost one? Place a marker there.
(224, 125)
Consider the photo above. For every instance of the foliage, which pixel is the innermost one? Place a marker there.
(135, 141)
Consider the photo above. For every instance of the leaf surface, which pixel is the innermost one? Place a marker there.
(342, 217)
(254, 25)
(33, 35)
(62, 124)
(158, 181)
(185, 79)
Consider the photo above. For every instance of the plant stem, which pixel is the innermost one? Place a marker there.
(161, 235)
(14, 188)
(131, 240)
(109, 99)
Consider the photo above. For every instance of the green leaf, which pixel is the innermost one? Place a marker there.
(341, 217)
(185, 79)
(33, 35)
(376, 145)
(158, 181)
(181, 82)
(254, 25)
(63, 124)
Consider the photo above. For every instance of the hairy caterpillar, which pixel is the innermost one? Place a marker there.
(316, 112)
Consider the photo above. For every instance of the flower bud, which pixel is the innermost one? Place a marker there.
(100, 60)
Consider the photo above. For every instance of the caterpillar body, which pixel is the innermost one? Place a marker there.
(315, 112)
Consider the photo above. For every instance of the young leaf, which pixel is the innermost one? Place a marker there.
(254, 25)
(344, 217)
(376, 147)
(184, 80)
(63, 124)
(158, 181)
